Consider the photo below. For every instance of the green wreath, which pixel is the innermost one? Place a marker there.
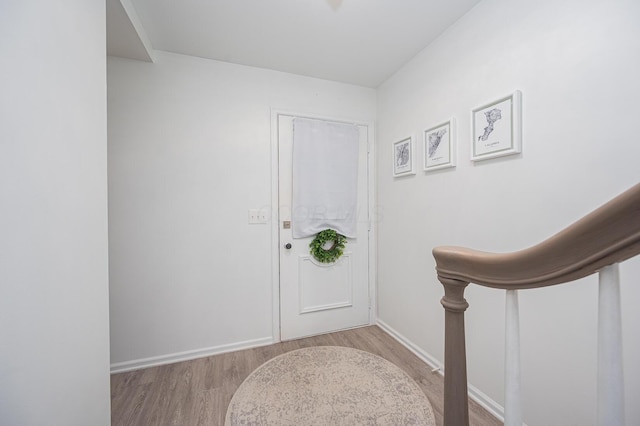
(332, 254)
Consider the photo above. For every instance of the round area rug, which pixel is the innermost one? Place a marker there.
(329, 385)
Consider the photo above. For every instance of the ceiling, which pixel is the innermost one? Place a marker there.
(360, 42)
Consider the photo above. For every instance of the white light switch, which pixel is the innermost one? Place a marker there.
(258, 216)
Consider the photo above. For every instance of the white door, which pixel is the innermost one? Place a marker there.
(318, 298)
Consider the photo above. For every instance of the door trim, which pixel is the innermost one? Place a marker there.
(372, 209)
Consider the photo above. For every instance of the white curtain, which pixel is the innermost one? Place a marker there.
(325, 177)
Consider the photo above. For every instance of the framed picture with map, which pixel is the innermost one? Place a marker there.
(403, 157)
(440, 146)
(495, 128)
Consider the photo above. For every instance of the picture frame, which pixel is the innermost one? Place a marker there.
(439, 143)
(496, 128)
(404, 157)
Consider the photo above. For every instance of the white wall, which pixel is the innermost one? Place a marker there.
(54, 337)
(577, 64)
(189, 154)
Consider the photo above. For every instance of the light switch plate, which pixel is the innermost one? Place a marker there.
(258, 216)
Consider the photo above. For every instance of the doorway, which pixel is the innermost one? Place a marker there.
(312, 297)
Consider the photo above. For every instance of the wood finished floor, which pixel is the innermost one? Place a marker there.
(197, 392)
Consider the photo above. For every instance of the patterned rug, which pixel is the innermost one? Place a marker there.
(329, 385)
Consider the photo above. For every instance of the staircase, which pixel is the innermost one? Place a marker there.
(597, 243)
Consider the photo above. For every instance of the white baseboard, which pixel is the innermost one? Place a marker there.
(137, 364)
(474, 393)
(424, 356)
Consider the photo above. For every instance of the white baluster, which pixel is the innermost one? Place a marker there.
(512, 395)
(610, 381)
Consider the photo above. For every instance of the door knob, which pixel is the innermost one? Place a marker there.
(287, 246)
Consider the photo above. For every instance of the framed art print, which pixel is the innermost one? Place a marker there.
(403, 157)
(440, 146)
(495, 128)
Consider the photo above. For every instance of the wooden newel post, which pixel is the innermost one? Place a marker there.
(456, 403)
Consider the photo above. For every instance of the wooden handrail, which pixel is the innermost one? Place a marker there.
(608, 235)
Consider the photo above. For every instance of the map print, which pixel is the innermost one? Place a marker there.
(434, 141)
(402, 154)
(492, 116)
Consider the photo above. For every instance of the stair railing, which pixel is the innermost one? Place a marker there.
(596, 243)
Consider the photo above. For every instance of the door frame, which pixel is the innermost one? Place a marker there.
(275, 217)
